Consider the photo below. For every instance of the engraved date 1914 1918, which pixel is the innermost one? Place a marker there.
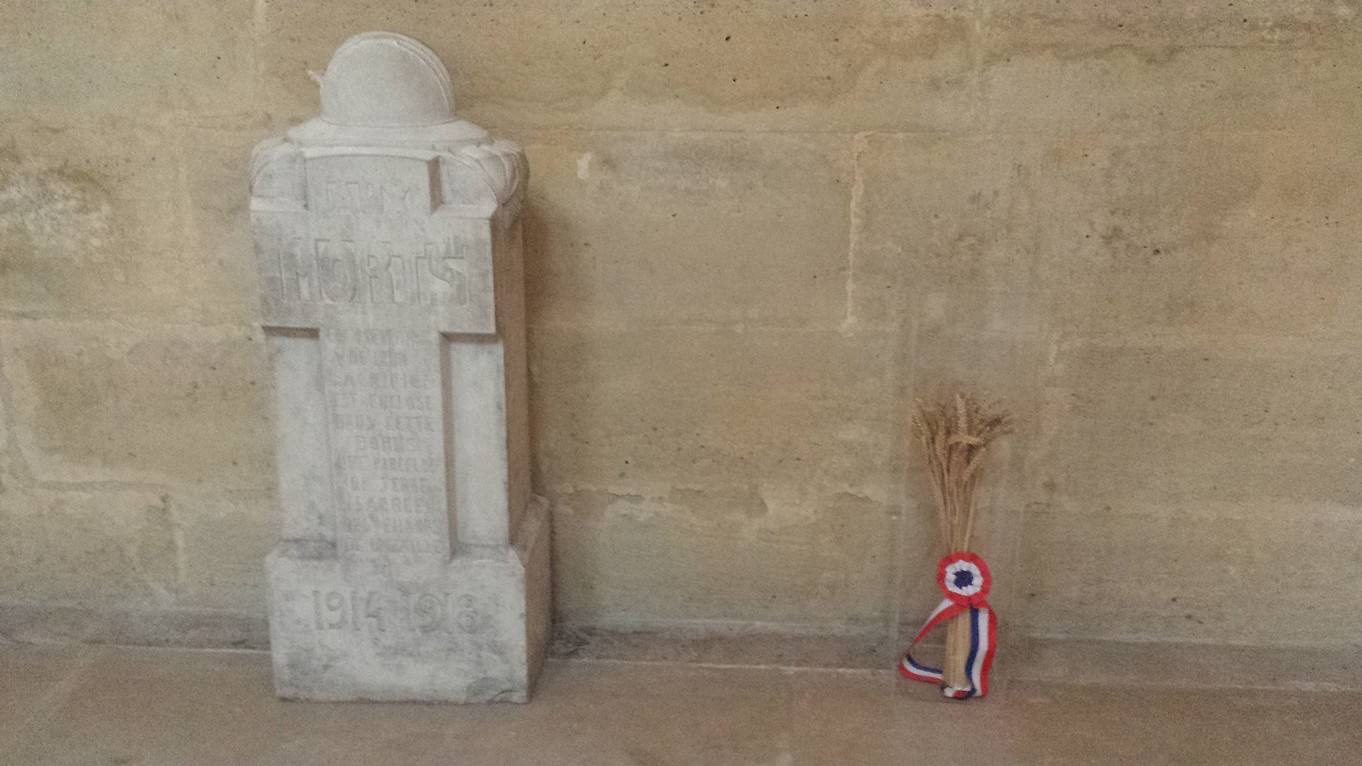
(424, 612)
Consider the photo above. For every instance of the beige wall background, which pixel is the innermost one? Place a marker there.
(755, 231)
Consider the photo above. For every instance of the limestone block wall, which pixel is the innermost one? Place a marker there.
(754, 230)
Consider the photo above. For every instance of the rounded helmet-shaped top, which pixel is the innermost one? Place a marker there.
(383, 79)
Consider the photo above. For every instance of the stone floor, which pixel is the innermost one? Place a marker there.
(96, 706)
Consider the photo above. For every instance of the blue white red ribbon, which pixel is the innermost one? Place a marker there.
(965, 579)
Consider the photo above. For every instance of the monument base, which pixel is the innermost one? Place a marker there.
(473, 629)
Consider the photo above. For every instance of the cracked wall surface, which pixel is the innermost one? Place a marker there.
(755, 230)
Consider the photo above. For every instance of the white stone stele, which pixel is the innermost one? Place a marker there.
(414, 560)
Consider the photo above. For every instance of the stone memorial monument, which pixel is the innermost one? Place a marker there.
(414, 560)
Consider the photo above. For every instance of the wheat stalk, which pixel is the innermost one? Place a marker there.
(955, 433)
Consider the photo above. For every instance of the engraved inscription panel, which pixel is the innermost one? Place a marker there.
(374, 611)
(373, 239)
(373, 271)
(384, 389)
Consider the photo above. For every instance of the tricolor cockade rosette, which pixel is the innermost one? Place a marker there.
(965, 580)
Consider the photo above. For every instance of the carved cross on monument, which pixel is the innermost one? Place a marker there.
(413, 561)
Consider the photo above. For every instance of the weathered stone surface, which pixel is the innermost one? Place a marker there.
(1038, 196)
(212, 533)
(1182, 424)
(153, 551)
(692, 408)
(946, 233)
(143, 57)
(197, 395)
(88, 547)
(1235, 234)
(693, 558)
(1266, 554)
(217, 221)
(726, 250)
(1031, 234)
(711, 461)
(90, 224)
(413, 560)
(1271, 24)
